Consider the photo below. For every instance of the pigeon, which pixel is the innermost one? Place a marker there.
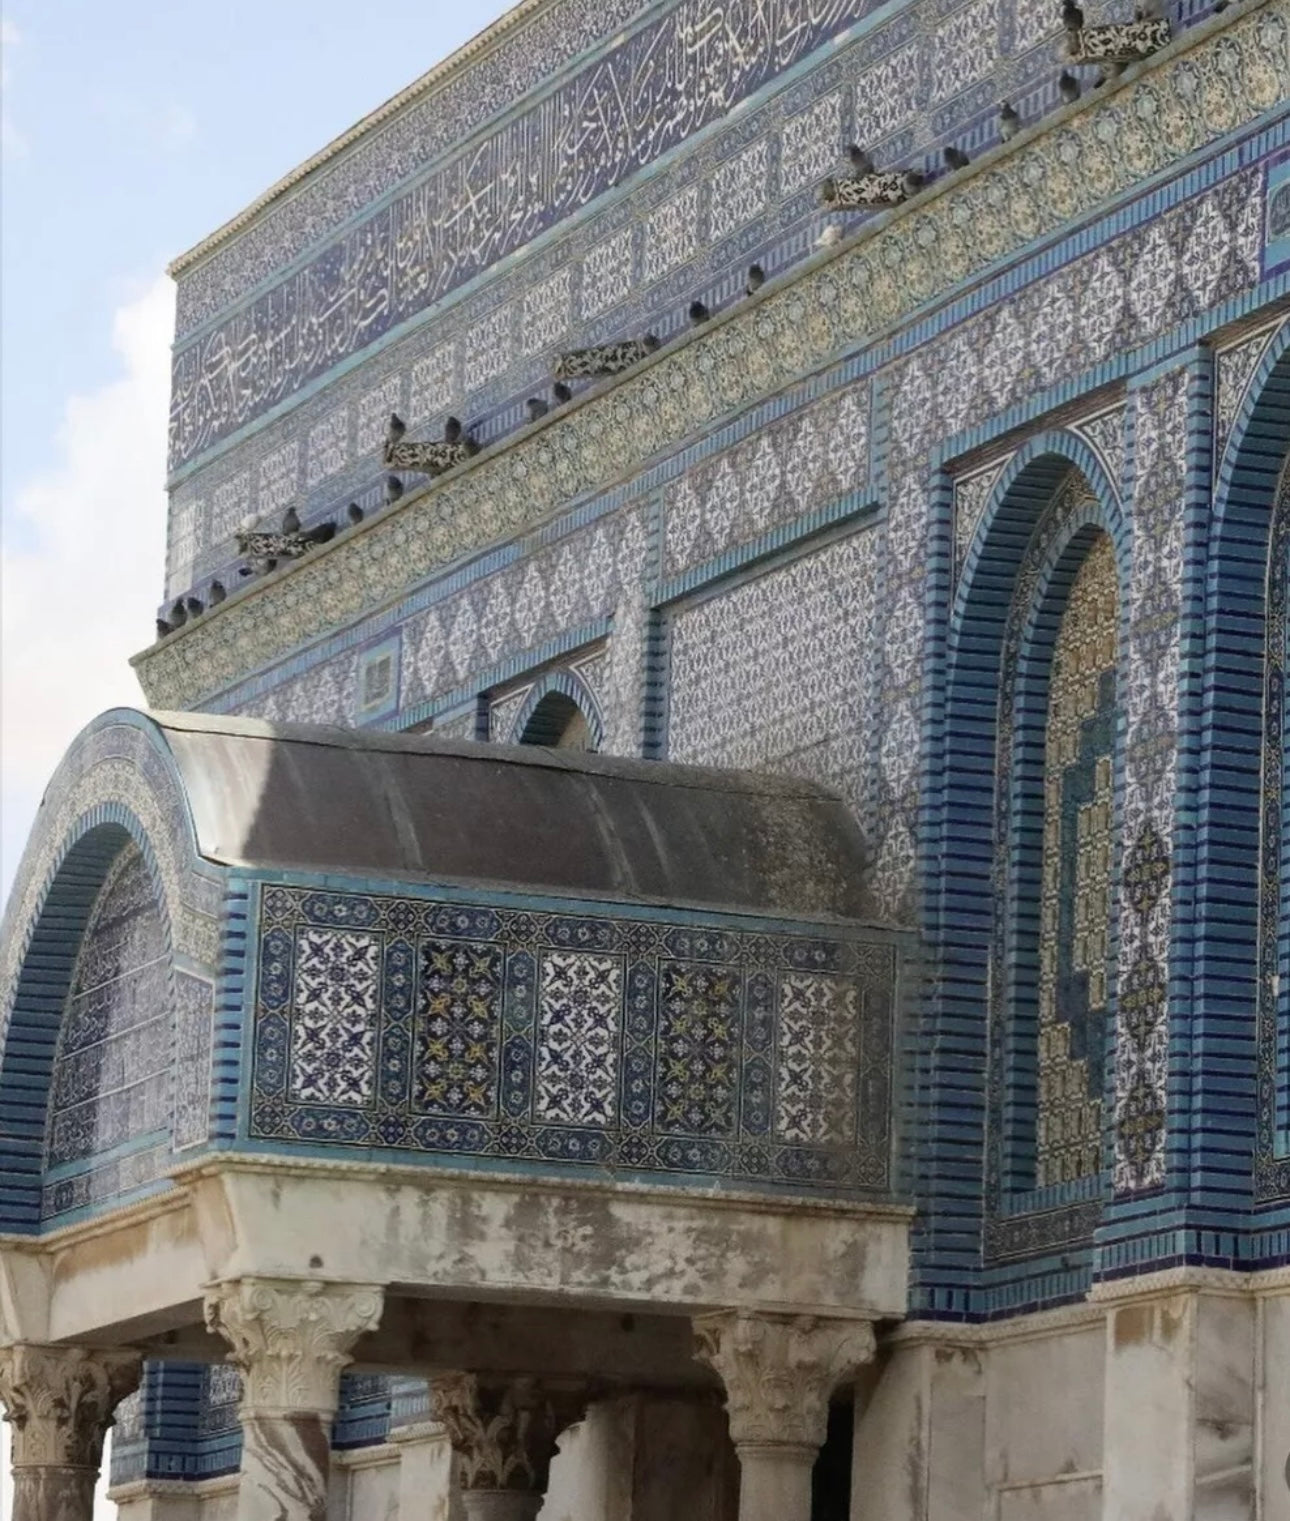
(756, 279)
(537, 408)
(561, 392)
(830, 237)
(452, 430)
(395, 429)
(393, 488)
(1067, 86)
(860, 160)
(354, 513)
(651, 342)
(217, 593)
(291, 521)
(163, 628)
(178, 615)
(1009, 121)
(698, 313)
(194, 606)
(912, 181)
(1072, 16)
(955, 158)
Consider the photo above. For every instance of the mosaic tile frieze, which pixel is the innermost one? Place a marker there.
(884, 276)
(791, 467)
(495, 325)
(648, 94)
(660, 1046)
(773, 674)
(427, 127)
(1150, 705)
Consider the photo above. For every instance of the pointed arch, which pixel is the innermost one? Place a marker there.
(114, 794)
(1051, 504)
(529, 727)
(1243, 908)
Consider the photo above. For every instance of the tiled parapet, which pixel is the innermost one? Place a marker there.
(651, 1046)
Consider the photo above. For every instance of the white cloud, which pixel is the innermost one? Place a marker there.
(12, 143)
(81, 568)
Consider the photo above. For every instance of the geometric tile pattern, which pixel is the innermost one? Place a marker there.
(698, 1049)
(661, 1045)
(579, 1034)
(458, 1028)
(333, 1017)
(817, 1059)
(774, 673)
(1111, 299)
(112, 1075)
(1150, 706)
(790, 467)
(1075, 902)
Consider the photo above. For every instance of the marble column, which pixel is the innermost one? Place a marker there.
(59, 1403)
(290, 1340)
(779, 1372)
(503, 1433)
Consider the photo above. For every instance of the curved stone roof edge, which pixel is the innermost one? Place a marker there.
(436, 75)
(653, 772)
(381, 808)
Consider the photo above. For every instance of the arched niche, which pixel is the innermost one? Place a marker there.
(1049, 555)
(1243, 902)
(109, 950)
(560, 712)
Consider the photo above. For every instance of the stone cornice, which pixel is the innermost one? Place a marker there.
(717, 1199)
(1216, 78)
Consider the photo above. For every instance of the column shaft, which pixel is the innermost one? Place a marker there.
(775, 1481)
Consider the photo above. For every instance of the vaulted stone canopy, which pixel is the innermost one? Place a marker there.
(551, 1032)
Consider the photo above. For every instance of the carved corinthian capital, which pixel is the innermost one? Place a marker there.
(291, 1338)
(504, 1434)
(59, 1401)
(779, 1371)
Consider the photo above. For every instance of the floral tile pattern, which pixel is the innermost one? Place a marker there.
(662, 1046)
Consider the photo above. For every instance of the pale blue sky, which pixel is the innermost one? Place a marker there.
(131, 130)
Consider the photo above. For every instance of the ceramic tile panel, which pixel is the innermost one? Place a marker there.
(536, 1035)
